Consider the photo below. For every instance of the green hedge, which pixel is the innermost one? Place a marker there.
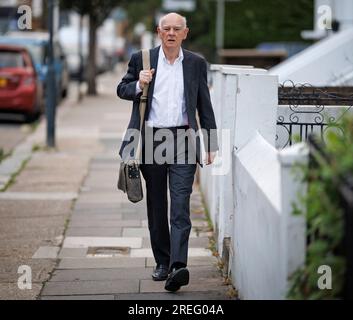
(325, 221)
(249, 22)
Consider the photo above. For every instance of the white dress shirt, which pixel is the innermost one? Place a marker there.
(168, 102)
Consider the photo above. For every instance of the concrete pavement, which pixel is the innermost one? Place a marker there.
(82, 238)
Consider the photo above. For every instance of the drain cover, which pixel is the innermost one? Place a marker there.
(107, 252)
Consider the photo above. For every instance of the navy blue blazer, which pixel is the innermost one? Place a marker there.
(197, 96)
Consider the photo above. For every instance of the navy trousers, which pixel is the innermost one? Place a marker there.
(169, 245)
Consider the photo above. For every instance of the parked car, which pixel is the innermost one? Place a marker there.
(37, 43)
(69, 36)
(21, 90)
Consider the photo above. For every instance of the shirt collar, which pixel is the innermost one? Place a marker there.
(162, 55)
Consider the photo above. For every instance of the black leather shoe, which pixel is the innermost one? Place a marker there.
(177, 278)
(160, 273)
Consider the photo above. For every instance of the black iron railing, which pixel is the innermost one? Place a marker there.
(301, 121)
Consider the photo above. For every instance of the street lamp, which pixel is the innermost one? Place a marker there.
(220, 24)
(51, 90)
(80, 54)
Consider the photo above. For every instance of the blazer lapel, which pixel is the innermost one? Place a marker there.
(154, 63)
(187, 74)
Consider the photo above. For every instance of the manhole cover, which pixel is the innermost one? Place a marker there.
(107, 252)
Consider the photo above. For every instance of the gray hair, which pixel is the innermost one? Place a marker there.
(162, 18)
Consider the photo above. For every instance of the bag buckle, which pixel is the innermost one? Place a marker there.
(133, 171)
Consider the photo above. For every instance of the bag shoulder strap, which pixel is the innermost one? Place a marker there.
(145, 66)
(143, 98)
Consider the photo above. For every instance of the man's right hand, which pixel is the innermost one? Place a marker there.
(145, 77)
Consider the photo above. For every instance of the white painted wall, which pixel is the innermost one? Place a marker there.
(268, 242)
(343, 12)
(256, 241)
(292, 189)
(249, 191)
(238, 110)
(329, 62)
(211, 182)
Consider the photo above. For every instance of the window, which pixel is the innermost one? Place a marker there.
(11, 59)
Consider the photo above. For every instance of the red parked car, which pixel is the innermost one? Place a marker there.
(20, 88)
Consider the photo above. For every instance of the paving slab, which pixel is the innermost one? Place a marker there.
(72, 253)
(90, 287)
(102, 274)
(13, 164)
(146, 242)
(204, 272)
(38, 196)
(110, 166)
(192, 252)
(199, 223)
(46, 253)
(104, 223)
(192, 261)
(101, 263)
(80, 297)
(39, 175)
(98, 198)
(105, 181)
(97, 216)
(180, 295)
(83, 206)
(144, 252)
(134, 208)
(136, 232)
(94, 231)
(85, 242)
(133, 215)
(199, 242)
(101, 160)
(204, 285)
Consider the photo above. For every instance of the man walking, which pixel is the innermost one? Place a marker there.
(177, 88)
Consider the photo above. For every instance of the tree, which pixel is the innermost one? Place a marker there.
(248, 23)
(142, 11)
(97, 11)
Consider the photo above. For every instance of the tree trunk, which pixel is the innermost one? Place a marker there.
(91, 66)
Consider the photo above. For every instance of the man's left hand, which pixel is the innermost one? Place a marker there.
(210, 157)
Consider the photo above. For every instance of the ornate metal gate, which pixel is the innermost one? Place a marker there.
(307, 111)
